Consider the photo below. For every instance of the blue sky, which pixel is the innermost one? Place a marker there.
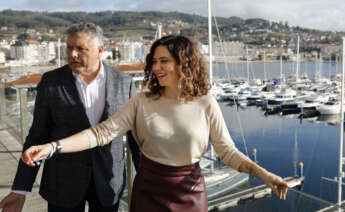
(318, 14)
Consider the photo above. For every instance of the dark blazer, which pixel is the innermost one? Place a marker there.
(59, 113)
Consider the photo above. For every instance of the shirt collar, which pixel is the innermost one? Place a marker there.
(99, 78)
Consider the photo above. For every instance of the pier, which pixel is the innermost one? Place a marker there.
(232, 200)
(333, 208)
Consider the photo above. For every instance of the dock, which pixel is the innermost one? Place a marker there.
(232, 200)
(334, 208)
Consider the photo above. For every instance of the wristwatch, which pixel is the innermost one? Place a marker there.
(58, 147)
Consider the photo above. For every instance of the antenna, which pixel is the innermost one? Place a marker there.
(158, 31)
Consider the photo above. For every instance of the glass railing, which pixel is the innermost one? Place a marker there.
(16, 107)
(296, 201)
(16, 112)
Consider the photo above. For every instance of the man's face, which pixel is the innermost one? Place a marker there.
(83, 55)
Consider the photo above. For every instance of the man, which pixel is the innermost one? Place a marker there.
(70, 99)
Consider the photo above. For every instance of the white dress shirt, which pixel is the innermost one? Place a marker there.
(92, 96)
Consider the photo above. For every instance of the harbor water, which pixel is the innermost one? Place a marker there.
(284, 141)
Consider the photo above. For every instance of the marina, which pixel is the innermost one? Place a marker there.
(284, 108)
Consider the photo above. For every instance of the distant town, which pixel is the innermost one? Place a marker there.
(37, 38)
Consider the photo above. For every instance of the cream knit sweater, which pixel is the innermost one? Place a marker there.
(171, 132)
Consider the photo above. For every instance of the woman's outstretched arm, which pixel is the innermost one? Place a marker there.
(99, 135)
(75, 143)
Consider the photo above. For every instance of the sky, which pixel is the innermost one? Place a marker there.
(315, 14)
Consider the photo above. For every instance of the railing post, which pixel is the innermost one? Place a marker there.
(2, 101)
(130, 172)
(22, 93)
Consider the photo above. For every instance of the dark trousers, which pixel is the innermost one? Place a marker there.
(94, 203)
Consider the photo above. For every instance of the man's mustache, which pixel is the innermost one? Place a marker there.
(75, 61)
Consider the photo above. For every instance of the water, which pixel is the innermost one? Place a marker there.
(256, 69)
(283, 141)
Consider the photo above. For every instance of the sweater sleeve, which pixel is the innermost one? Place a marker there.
(221, 139)
(119, 123)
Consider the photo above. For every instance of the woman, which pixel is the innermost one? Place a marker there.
(172, 124)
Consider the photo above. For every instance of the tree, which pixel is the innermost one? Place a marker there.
(24, 36)
(286, 24)
(116, 54)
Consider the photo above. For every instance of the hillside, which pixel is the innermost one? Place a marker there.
(117, 24)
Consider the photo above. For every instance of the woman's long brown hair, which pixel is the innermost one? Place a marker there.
(191, 70)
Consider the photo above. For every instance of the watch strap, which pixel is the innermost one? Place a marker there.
(58, 147)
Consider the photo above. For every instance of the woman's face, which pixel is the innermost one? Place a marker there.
(164, 67)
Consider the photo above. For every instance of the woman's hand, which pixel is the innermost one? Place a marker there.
(36, 153)
(276, 183)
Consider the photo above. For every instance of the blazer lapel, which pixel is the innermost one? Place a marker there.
(73, 96)
(109, 91)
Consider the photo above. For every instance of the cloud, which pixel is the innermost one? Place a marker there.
(318, 14)
(53, 5)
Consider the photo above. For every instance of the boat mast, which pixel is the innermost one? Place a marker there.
(341, 129)
(210, 41)
(210, 61)
(265, 73)
(297, 60)
(247, 61)
(281, 68)
(320, 65)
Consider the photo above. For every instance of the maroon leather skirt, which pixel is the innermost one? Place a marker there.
(161, 188)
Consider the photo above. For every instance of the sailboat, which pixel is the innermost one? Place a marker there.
(218, 181)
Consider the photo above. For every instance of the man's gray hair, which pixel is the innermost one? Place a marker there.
(91, 29)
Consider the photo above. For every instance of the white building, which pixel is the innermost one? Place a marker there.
(5, 44)
(232, 49)
(46, 52)
(330, 50)
(2, 57)
(17, 50)
(51, 50)
(146, 49)
(32, 53)
(131, 51)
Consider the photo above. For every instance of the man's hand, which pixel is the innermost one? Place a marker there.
(12, 203)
